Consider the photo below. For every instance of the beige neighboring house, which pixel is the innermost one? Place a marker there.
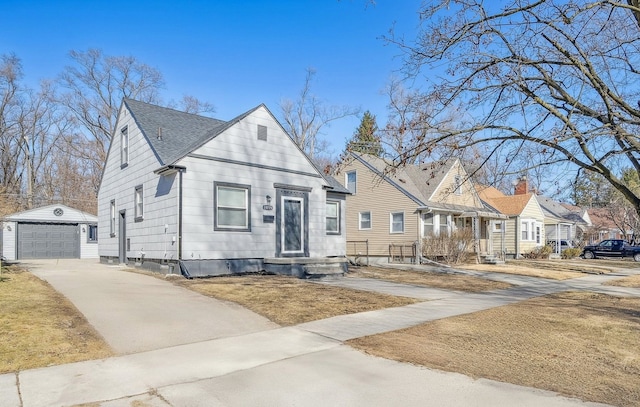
(390, 212)
(524, 230)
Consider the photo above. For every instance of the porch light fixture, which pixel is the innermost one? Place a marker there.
(268, 199)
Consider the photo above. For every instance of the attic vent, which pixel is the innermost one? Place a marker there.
(262, 133)
(159, 133)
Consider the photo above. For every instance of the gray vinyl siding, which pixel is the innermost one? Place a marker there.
(238, 156)
(160, 199)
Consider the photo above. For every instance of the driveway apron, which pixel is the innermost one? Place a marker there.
(135, 312)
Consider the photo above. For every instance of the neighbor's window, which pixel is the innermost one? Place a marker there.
(458, 185)
(531, 231)
(365, 220)
(333, 217)
(112, 219)
(444, 225)
(139, 203)
(351, 181)
(396, 222)
(124, 146)
(92, 233)
(232, 211)
(427, 221)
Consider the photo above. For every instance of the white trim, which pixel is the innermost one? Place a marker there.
(391, 214)
(360, 220)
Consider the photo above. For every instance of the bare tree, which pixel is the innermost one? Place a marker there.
(305, 117)
(191, 104)
(94, 86)
(554, 76)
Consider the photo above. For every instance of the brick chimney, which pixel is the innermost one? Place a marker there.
(522, 187)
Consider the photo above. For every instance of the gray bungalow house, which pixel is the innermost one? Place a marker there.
(214, 197)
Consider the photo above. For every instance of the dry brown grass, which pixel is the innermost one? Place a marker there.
(630, 281)
(446, 281)
(584, 345)
(291, 301)
(556, 269)
(40, 327)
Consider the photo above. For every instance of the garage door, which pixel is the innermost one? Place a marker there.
(48, 241)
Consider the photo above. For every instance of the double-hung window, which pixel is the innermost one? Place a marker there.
(333, 217)
(396, 222)
(444, 225)
(92, 233)
(458, 185)
(139, 203)
(364, 219)
(112, 218)
(427, 224)
(124, 146)
(232, 208)
(351, 181)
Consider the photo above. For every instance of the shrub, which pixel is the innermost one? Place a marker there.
(571, 253)
(541, 252)
(452, 249)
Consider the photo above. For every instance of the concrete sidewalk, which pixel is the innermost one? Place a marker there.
(280, 367)
(305, 365)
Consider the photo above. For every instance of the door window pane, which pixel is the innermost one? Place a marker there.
(292, 225)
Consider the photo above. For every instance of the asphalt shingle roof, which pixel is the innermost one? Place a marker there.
(179, 132)
(419, 182)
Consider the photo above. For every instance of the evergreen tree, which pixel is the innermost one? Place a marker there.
(365, 139)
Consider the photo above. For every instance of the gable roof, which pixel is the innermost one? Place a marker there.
(46, 213)
(557, 210)
(171, 133)
(418, 182)
(511, 204)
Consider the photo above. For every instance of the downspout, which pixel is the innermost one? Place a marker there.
(180, 215)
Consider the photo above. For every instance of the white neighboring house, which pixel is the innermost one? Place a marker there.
(50, 232)
(216, 197)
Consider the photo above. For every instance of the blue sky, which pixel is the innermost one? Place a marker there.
(234, 54)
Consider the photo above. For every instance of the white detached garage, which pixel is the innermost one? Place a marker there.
(50, 232)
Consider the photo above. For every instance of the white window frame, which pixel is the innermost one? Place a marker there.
(352, 187)
(112, 219)
(497, 226)
(391, 223)
(124, 146)
(138, 203)
(94, 234)
(430, 215)
(446, 227)
(532, 224)
(458, 185)
(246, 227)
(337, 217)
(360, 220)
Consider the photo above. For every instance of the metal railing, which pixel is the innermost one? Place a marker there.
(358, 249)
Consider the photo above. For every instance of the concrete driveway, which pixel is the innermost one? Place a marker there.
(136, 312)
(203, 352)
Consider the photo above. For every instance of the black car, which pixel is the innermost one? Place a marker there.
(611, 248)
